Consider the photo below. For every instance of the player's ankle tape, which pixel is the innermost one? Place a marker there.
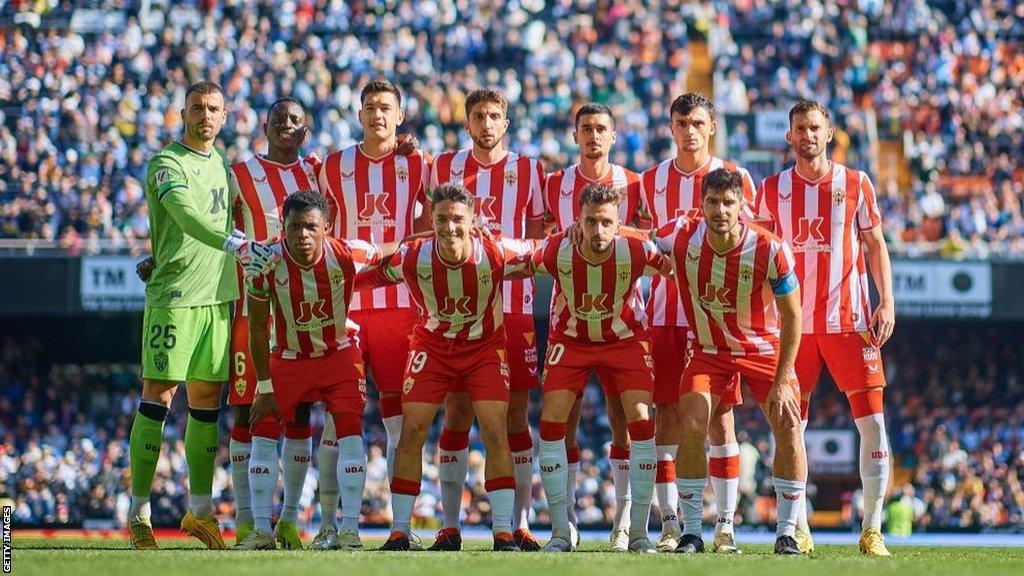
(153, 411)
(208, 415)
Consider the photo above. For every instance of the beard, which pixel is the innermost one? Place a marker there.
(483, 145)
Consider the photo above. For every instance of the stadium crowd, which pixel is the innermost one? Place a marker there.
(956, 426)
(82, 108)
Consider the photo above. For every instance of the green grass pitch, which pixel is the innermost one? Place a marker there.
(59, 557)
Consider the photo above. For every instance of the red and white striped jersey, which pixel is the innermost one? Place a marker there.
(261, 186)
(666, 192)
(597, 302)
(376, 200)
(729, 297)
(459, 301)
(823, 222)
(507, 192)
(311, 305)
(562, 193)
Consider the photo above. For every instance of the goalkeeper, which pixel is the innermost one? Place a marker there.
(187, 325)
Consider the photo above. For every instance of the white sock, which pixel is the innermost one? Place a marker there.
(691, 503)
(554, 469)
(295, 456)
(874, 467)
(790, 496)
(239, 452)
(642, 468)
(327, 455)
(668, 495)
(801, 519)
(523, 470)
(452, 474)
(142, 508)
(263, 474)
(501, 509)
(725, 490)
(571, 470)
(393, 428)
(620, 472)
(351, 472)
(402, 504)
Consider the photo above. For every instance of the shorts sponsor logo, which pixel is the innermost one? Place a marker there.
(407, 385)
(361, 385)
(649, 361)
(160, 361)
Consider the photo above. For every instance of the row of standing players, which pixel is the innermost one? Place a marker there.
(821, 210)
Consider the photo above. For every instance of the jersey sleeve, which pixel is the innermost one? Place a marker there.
(782, 269)
(535, 207)
(868, 215)
(760, 212)
(517, 255)
(654, 259)
(364, 254)
(551, 183)
(259, 287)
(664, 238)
(633, 210)
(749, 192)
(539, 253)
(165, 175)
(425, 180)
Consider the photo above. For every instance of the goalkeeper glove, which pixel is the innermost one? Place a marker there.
(254, 257)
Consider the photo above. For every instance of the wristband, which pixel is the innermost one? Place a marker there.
(264, 386)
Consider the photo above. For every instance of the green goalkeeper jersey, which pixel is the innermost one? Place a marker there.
(189, 219)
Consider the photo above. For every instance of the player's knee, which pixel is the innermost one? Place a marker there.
(414, 432)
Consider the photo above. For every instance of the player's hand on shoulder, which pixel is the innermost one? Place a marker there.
(144, 269)
(254, 257)
(406, 144)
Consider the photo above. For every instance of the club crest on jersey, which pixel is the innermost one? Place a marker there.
(511, 177)
(623, 272)
(746, 273)
(240, 386)
(407, 385)
(484, 278)
(838, 195)
(336, 277)
(160, 361)
(402, 173)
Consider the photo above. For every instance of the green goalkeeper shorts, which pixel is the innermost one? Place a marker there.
(180, 344)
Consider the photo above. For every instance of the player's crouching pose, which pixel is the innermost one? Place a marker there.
(598, 323)
(455, 277)
(740, 292)
(314, 349)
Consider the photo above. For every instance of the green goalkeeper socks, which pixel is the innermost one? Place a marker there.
(144, 446)
(201, 445)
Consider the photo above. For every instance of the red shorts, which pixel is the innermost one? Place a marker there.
(718, 374)
(242, 388)
(670, 348)
(521, 343)
(435, 368)
(339, 379)
(620, 366)
(384, 338)
(852, 358)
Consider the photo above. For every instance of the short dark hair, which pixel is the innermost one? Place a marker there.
(304, 201)
(598, 194)
(804, 106)
(378, 86)
(690, 101)
(452, 192)
(722, 180)
(286, 100)
(485, 95)
(593, 108)
(204, 87)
